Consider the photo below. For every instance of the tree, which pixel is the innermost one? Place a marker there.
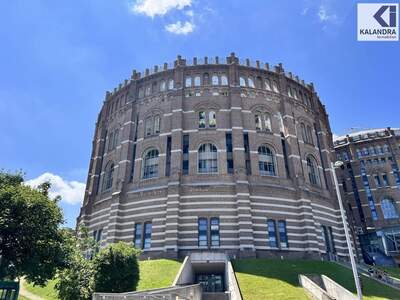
(75, 282)
(31, 241)
(116, 269)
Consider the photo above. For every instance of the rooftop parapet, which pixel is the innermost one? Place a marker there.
(216, 60)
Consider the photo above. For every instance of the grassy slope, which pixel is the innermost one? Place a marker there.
(275, 279)
(157, 273)
(393, 271)
(153, 274)
(47, 292)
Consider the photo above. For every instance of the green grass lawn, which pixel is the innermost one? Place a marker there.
(153, 274)
(276, 279)
(157, 273)
(47, 292)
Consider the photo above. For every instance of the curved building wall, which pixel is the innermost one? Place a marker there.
(264, 144)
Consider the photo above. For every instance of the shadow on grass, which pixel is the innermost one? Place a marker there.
(287, 271)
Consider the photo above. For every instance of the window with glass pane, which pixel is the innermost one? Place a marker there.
(108, 180)
(202, 232)
(258, 122)
(214, 80)
(251, 82)
(389, 209)
(272, 238)
(149, 126)
(157, 124)
(185, 156)
(147, 235)
(283, 240)
(275, 86)
(266, 161)
(377, 180)
(224, 80)
(150, 164)
(115, 140)
(148, 90)
(188, 82)
(110, 141)
(312, 171)
(214, 232)
(162, 86)
(197, 81)
(310, 135)
(289, 91)
(385, 179)
(206, 78)
(171, 84)
(202, 119)
(386, 149)
(138, 236)
(212, 121)
(242, 81)
(207, 159)
(141, 92)
(267, 84)
(304, 133)
(267, 122)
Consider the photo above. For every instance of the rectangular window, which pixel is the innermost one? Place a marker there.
(229, 153)
(212, 121)
(202, 234)
(202, 119)
(272, 238)
(247, 153)
(138, 236)
(157, 124)
(168, 158)
(185, 154)
(385, 179)
(285, 155)
(283, 240)
(214, 232)
(149, 127)
(133, 161)
(99, 235)
(377, 180)
(331, 239)
(147, 235)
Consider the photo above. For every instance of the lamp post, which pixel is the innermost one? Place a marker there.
(338, 164)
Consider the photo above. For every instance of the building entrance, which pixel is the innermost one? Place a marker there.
(211, 283)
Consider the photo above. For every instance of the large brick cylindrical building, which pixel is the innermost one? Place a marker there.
(214, 155)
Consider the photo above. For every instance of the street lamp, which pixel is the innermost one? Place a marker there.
(338, 164)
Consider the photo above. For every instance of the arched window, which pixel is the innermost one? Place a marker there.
(171, 84)
(242, 81)
(365, 151)
(110, 141)
(207, 159)
(371, 150)
(188, 81)
(224, 80)
(108, 179)
(386, 148)
(197, 81)
(147, 90)
(312, 169)
(162, 86)
(378, 149)
(389, 210)
(215, 80)
(251, 82)
(267, 84)
(266, 161)
(212, 121)
(289, 91)
(304, 132)
(150, 164)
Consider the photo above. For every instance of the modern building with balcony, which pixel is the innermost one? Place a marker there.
(214, 155)
(370, 181)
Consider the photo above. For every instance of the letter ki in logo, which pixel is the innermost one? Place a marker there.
(392, 16)
(378, 22)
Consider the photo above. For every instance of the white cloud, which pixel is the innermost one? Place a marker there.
(324, 15)
(71, 192)
(180, 28)
(152, 8)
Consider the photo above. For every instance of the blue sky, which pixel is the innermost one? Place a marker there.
(58, 58)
